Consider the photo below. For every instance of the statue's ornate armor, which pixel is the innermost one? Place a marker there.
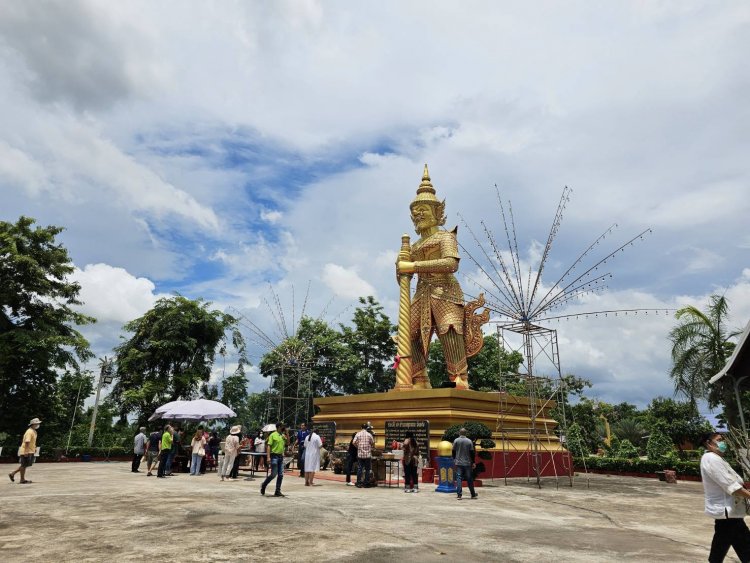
(438, 304)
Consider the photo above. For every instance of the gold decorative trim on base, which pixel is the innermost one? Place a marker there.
(443, 408)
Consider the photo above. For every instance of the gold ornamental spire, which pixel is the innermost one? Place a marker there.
(426, 185)
(425, 191)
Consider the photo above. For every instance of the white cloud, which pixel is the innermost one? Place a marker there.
(345, 282)
(271, 216)
(113, 294)
(145, 131)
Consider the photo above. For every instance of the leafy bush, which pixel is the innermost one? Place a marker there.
(638, 465)
(475, 431)
(626, 450)
(659, 445)
(574, 441)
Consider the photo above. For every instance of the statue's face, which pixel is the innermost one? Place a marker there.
(423, 216)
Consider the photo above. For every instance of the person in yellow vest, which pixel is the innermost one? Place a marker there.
(27, 451)
(275, 447)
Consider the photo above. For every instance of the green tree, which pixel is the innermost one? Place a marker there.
(700, 347)
(630, 429)
(659, 444)
(37, 319)
(622, 411)
(681, 421)
(370, 340)
(575, 442)
(170, 354)
(486, 370)
(586, 413)
(316, 349)
(626, 450)
(72, 390)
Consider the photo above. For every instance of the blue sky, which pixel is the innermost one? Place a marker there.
(216, 149)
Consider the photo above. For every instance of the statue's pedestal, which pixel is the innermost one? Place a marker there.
(513, 454)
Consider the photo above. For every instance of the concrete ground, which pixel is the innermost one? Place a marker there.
(103, 512)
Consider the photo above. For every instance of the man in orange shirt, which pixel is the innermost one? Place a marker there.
(27, 451)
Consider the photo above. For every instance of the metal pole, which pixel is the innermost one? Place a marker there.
(739, 404)
(73, 419)
(96, 408)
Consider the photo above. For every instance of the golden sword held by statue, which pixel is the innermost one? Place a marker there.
(403, 344)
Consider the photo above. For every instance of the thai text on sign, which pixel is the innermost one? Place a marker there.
(397, 429)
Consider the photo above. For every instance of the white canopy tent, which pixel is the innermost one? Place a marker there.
(164, 408)
(199, 409)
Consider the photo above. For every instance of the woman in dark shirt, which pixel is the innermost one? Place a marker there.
(351, 457)
(411, 460)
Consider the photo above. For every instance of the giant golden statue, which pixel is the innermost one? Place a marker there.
(438, 303)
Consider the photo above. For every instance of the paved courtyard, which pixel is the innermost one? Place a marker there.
(102, 512)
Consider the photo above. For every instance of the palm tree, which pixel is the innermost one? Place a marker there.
(629, 429)
(700, 348)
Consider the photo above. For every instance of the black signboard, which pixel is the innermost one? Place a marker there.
(327, 433)
(397, 429)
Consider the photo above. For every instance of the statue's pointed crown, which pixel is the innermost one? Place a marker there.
(425, 191)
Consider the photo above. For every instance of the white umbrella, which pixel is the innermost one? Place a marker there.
(200, 409)
(269, 428)
(159, 412)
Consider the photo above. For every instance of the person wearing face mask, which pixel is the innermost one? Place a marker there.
(726, 501)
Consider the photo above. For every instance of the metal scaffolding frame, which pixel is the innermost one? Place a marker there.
(543, 393)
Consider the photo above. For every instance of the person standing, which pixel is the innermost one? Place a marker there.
(313, 444)
(139, 448)
(275, 447)
(351, 457)
(231, 449)
(725, 501)
(302, 433)
(198, 450)
(259, 448)
(152, 451)
(214, 443)
(234, 474)
(364, 442)
(165, 448)
(175, 449)
(27, 451)
(411, 460)
(463, 458)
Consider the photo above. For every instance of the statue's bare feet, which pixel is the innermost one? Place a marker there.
(462, 382)
(422, 383)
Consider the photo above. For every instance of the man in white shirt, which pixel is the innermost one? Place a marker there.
(726, 499)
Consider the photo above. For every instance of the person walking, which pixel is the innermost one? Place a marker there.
(165, 448)
(139, 448)
(725, 501)
(410, 461)
(313, 444)
(231, 449)
(351, 457)
(27, 452)
(302, 433)
(364, 442)
(198, 450)
(275, 447)
(463, 458)
(152, 451)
